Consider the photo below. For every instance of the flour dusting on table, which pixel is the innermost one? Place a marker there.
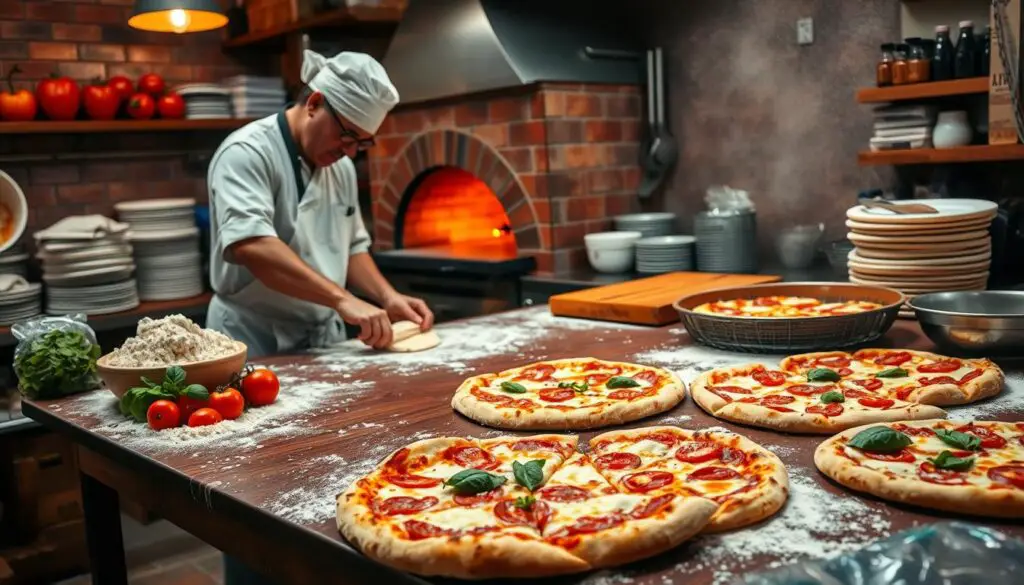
(690, 361)
(1009, 401)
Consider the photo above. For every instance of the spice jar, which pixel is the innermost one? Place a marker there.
(919, 66)
(900, 67)
(883, 71)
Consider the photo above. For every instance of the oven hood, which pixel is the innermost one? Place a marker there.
(447, 48)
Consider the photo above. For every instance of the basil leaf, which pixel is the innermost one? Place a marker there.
(149, 383)
(196, 391)
(946, 460)
(474, 481)
(577, 386)
(524, 502)
(833, 396)
(892, 373)
(513, 388)
(174, 378)
(880, 439)
(822, 375)
(530, 474)
(959, 440)
(621, 382)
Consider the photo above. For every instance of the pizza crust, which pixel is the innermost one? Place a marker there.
(1003, 503)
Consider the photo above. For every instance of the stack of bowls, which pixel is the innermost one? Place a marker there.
(14, 260)
(165, 240)
(648, 224)
(662, 254)
(726, 241)
(611, 252)
(19, 299)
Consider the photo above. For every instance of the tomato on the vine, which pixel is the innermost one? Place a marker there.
(204, 417)
(163, 414)
(229, 403)
(260, 387)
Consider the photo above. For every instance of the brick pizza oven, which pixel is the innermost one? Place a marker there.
(510, 143)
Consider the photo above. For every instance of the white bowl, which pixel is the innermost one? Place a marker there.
(12, 196)
(611, 261)
(611, 240)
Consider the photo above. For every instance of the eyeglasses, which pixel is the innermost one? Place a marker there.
(348, 136)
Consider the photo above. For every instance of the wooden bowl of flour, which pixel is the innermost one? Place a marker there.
(209, 373)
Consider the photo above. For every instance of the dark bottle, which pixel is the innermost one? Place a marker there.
(929, 48)
(985, 52)
(942, 61)
(966, 60)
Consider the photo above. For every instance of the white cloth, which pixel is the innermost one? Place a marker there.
(82, 227)
(355, 85)
(253, 193)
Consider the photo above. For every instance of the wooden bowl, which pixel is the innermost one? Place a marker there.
(209, 373)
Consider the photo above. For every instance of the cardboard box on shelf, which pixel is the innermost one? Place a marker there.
(1002, 116)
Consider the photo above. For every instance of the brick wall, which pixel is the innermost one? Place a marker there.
(563, 158)
(85, 39)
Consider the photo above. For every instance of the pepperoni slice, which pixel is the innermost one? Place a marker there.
(649, 376)
(731, 389)
(667, 439)
(646, 481)
(538, 373)
(698, 451)
(936, 380)
(404, 505)
(398, 462)
(1012, 475)
(469, 456)
(536, 445)
(809, 390)
(839, 361)
(618, 461)
(893, 358)
(748, 400)
(928, 472)
(777, 400)
(989, 438)
(407, 480)
(765, 302)
(489, 397)
(915, 431)
(830, 409)
(591, 524)
(557, 394)
(844, 371)
(970, 376)
(652, 507)
(870, 384)
(507, 512)
(541, 514)
(855, 393)
(625, 394)
(733, 456)
(882, 403)
(940, 367)
(564, 493)
(713, 474)
(477, 499)
(597, 379)
(901, 456)
(769, 377)
(780, 408)
(418, 530)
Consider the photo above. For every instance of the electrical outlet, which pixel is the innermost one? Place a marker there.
(805, 31)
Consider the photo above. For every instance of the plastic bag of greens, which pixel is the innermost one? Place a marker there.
(55, 356)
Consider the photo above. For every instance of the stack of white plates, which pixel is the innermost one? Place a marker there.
(158, 214)
(648, 224)
(205, 100)
(99, 299)
(14, 260)
(21, 302)
(665, 254)
(916, 253)
(169, 264)
(254, 96)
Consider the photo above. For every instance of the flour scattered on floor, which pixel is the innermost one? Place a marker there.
(692, 360)
(1009, 401)
(677, 419)
(505, 334)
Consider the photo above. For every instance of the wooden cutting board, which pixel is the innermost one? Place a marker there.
(646, 301)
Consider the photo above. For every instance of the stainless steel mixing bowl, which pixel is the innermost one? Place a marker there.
(988, 322)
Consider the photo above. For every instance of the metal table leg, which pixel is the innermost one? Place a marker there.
(103, 532)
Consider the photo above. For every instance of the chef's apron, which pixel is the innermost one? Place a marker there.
(270, 322)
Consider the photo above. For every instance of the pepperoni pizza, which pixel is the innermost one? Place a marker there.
(508, 506)
(784, 306)
(578, 393)
(959, 466)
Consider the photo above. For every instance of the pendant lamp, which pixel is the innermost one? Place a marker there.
(177, 16)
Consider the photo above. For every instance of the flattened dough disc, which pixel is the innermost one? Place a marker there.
(407, 337)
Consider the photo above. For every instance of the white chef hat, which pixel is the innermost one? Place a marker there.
(355, 85)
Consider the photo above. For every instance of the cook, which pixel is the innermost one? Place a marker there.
(288, 240)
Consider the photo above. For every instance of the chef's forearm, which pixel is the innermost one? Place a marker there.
(280, 269)
(364, 275)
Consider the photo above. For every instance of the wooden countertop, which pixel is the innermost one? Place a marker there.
(337, 417)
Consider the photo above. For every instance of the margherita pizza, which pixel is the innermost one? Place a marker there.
(508, 506)
(784, 306)
(578, 393)
(967, 467)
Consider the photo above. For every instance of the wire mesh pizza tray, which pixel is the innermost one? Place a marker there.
(790, 335)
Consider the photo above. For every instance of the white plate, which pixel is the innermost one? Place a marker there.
(161, 236)
(923, 229)
(915, 271)
(924, 246)
(156, 205)
(127, 306)
(928, 239)
(13, 259)
(99, 252)
(90, 277)
(926, 254)
(62, 269)
(666, 242)
(940, 262)
(923, 279)
(948, 209)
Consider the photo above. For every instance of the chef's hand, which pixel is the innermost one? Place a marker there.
(374, 325)
(404, 308)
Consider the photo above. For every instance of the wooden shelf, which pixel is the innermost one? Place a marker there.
(961, 154)
(916, 91)
(99, 126)
(340, 18)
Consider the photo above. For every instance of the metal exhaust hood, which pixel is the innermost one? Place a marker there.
(447, 48)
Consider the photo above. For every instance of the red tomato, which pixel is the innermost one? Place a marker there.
(17, 106)
(228, 403)
(141, 106)
(260, 387)
(171, 106)
(163, 414)
(152, 84)
(122, 87)
(204, 417)
(58, 98)
(769, 377)
(100, 101)
(190, 405)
